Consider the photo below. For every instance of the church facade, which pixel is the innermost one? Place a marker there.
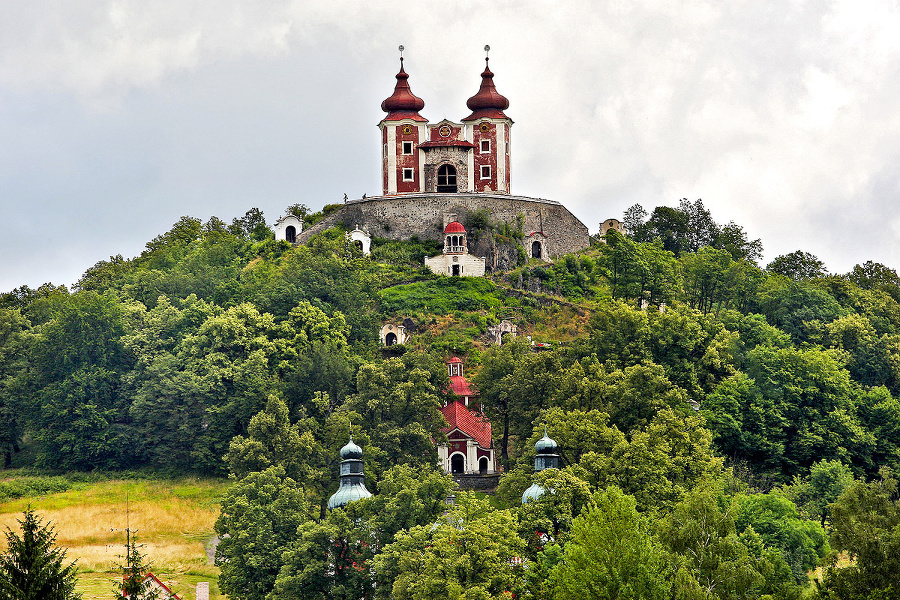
(433, 174)
(445, 157)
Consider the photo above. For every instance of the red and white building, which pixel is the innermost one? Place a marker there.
(445, 157)
(455, 260)
(470, 448)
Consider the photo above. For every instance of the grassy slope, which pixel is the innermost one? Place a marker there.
(173, 519)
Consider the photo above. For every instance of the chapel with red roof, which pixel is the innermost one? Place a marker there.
(470, 448)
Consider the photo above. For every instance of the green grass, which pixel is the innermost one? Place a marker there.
(173, 520)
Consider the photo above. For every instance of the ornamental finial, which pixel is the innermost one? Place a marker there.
(487, 49)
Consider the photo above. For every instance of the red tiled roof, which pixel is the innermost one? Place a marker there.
(454, 227)
(459, 416)
(461, 387)
(446, 143)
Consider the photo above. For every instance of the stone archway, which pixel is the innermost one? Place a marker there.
(457, 463)
(537, 249)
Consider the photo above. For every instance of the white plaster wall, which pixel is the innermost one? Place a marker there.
(286, 221)
(358, 235)
(472, 266)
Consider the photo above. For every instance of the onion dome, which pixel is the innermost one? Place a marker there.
(403, 104)
(454, 227)
(353, 485)
(532, 493)
(351, 450)
(546, 458)
(546, 445)
(487, 102)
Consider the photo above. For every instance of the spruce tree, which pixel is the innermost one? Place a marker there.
(136, 585)
(33, 567)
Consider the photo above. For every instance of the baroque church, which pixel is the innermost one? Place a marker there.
(436, 176)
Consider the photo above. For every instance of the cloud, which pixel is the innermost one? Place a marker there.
(121, 116)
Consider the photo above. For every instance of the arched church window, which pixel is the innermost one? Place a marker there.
(290, 234)
(446, 179)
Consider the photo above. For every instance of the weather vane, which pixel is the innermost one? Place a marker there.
(487, 49)
(401, 51)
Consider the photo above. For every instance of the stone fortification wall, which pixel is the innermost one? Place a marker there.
(426, 215)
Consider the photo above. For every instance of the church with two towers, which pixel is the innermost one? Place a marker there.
(437, 174)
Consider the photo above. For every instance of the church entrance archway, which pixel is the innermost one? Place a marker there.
(483, 465)
(536, 249)
(457, 464)
(390, 339)
(455, 270)
(446, 179)
(290, 234)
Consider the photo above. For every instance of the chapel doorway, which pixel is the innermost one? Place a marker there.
(455, 270)
(457, 464)
(446, 179)
(390, 339)
(535, 249)
(290, 234)
(483, 465)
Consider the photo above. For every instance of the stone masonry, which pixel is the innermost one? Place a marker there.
(425, 215)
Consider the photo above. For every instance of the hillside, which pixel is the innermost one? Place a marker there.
(677, 376)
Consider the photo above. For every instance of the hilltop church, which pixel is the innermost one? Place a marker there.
(436, 176)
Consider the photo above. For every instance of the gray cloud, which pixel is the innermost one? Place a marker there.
(119, 117)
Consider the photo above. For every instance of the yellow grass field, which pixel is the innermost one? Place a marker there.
(173, 521)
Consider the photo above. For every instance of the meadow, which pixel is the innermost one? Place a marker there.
(172, 518)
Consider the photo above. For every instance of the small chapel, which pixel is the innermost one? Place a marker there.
(470, 448)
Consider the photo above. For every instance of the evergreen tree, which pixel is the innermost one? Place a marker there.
(33, 567)
(136, 585)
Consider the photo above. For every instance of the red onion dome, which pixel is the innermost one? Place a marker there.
(403, 104)
(454, 227)
(487, 102)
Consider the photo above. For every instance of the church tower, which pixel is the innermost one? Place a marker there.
(401, 132)
(353, 484)
(545, 458)
(488, 129)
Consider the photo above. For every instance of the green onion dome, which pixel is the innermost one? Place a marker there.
(546, 445)
(532, 493)
(353, 484)
(546, 458)
(351, 451)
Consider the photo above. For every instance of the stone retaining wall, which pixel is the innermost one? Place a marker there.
(482, 483)
(425, 215)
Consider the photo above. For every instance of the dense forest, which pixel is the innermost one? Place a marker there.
(726, 430)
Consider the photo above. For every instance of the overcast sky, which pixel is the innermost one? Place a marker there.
(118, 117)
